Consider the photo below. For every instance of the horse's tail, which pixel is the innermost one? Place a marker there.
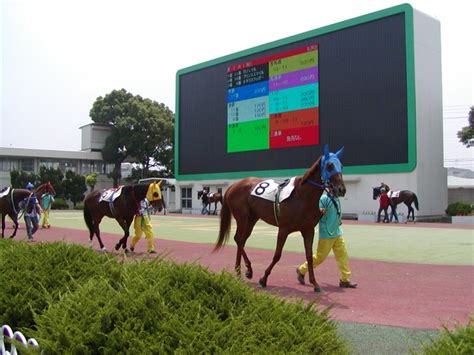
(224, 229)
(88, 218)
(415, 200)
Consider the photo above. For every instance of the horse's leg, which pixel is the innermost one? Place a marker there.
(3, 225)
(244, 229)
(125, 224)
(15, 223)
(97, 233)
(282, 235)
(308, 239)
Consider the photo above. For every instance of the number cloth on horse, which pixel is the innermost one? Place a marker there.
(268, 189)
(393, 194)
(111, 194)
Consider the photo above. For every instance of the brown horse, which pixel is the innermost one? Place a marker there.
(11, 202)
(299, 212)
(208, 198)
(122, 208)
(404, 196)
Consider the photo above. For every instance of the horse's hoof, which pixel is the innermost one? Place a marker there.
(127, 252)
(117, 246)
(262, 283)
(317, 289)
(103, 249)
(249, 274)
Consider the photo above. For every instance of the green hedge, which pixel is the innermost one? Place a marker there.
(458, 209)
(59, 204)
(459, 341)
(74, 300)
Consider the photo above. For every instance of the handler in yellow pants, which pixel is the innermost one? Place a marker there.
(330, 238)
(142, 224)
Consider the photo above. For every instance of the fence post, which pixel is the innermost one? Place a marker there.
(6, 337)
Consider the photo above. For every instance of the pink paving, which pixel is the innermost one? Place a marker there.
(393, 294)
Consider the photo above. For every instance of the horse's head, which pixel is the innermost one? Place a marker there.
(46, 187)
(331, 171)
(154, 195)
(375, 192)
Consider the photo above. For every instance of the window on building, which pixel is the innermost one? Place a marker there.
(8, 164)
(186, 197)
(27, 164)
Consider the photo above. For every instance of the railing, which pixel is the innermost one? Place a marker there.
(6, 341)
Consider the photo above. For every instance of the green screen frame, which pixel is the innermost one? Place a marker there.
(407, 10)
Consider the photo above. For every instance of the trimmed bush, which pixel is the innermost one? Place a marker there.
(458, 209)
(59, 204)
(460, 341)
(161, 307)
(74, 300)
(35, 275)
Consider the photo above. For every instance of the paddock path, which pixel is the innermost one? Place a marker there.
(404, 294)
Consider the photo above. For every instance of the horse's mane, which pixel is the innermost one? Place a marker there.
(310, 172)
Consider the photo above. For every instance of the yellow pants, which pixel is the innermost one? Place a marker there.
(325, 246)
(45, 222)
(142, 224)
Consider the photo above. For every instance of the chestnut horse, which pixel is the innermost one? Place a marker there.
(404, 196)
(299, 212)
(123, 208)
(11, 202)
(208, 198)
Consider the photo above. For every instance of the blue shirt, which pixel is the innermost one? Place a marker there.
(330, 222)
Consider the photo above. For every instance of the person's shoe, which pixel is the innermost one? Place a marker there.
(31, 240)
(49, 225)
(299, 276)
(152, 252)
(347, 284)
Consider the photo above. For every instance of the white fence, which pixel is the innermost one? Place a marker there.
(7, 336)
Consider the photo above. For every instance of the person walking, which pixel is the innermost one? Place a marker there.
(32, 213)
(142, 224)
(330, 238)
(384, 203)
(46, 202)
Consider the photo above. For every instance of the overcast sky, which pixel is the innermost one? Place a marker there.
(59, 56)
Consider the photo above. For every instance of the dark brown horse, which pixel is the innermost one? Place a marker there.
(11, 202)
(209, 198)
(123, 209)
(404, 196)
(299, 212)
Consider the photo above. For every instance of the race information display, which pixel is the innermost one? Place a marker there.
(273, 101)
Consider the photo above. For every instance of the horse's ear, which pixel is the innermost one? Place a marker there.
(339, 153)
(326, 151)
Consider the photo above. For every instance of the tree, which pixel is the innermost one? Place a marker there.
(19, 179)
(142, 131)
(54, 176)
(74, 186)
(467, 133)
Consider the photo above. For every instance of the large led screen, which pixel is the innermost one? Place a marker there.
(272, 102)
(269, 110)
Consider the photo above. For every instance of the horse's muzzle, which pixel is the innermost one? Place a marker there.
(339, 190)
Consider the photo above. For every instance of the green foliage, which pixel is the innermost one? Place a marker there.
(79, 206)
(87, 303)
(19, 179)
(467, 133)
(59, 204)
(91, 180)
(458, 209)
(55, 176)
(35, 275)
(459, 341)
(74, 186)
(142, 129)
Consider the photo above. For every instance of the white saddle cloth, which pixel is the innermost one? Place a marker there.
(393, 194)
(267, 190)
(111, 194)
(6, 192)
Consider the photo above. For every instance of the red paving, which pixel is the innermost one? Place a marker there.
(394, 294)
